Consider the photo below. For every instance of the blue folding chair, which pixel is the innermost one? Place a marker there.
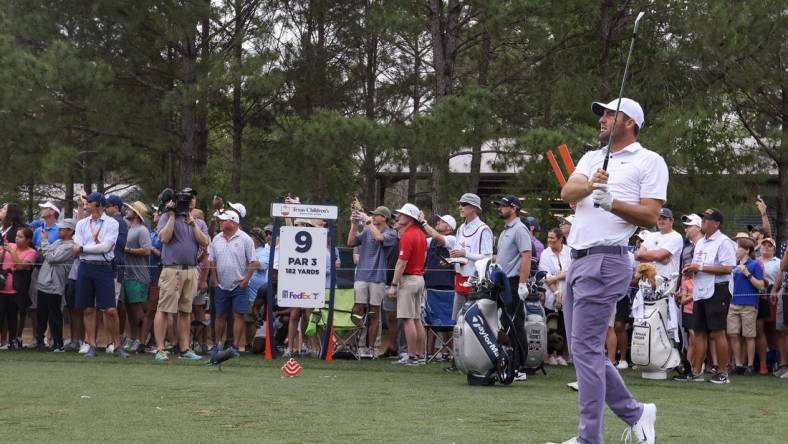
(437, 319)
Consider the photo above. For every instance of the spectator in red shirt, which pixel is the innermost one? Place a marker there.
(408, 282)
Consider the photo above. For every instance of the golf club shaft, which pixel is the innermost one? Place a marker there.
(621, 91)
(621, 94)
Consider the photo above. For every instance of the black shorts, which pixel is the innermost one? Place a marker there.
(764, 311)
(623, 309)
(687, 321)
(712, 314)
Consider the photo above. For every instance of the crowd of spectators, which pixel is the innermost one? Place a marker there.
(170, 284)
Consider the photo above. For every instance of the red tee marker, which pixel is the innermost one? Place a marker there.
(291, 369)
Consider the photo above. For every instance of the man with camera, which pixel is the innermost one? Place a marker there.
(94, 243)
(371, 234)
(181, 237)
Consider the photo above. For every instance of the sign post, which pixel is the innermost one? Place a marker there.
(302, 267)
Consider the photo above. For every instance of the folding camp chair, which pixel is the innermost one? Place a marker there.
(347, 326)
(437, 319)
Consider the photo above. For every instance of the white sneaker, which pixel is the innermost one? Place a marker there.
(520, 376)
(363, 352)
(622, 365)
(110, 349)
(84, 348)
(568, 441)
(574, 386)
(643, 429)
(561, 361)
(551, 360)
(4, 347)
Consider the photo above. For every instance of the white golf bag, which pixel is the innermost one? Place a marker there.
(654, 342)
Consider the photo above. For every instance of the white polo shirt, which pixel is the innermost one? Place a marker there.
(673, 243)
(717, 249)
(635, 173)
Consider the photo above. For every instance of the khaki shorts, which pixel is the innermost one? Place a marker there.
(741, 320)
(371, 293)
(410, 296)
(177, 288)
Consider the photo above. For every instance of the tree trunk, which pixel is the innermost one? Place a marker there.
(485, 53)
(370, 152)
(782, 166)
(68, 204)
(186, 154)
(201, 120)
(604, 62)
(444, 30)
(237, 111)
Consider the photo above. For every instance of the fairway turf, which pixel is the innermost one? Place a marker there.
(47, 397)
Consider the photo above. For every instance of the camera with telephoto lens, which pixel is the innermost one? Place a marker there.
(177, 201)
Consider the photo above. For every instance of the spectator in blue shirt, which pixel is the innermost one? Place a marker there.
(747, 283)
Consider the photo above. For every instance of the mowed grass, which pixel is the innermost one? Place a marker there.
(46, 397)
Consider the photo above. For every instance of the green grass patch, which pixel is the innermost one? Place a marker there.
(47, 397)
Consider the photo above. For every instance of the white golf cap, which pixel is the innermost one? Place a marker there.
(229, 215)
(691, 219)
(449, 219)
(643, 235)
(49, 205)
(628, 107)
(409, 210)
(238, 207)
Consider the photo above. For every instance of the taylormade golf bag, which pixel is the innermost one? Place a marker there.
(478, 349)
(654, 342)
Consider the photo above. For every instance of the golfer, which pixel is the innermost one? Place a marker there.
(629, 194)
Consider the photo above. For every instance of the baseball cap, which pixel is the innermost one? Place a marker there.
(567, 220)
(509, 201)
(229, 215)
(471, 199)
(383, 211)
(665, 212)
(713, 214)
(628, 107)
(758, 228)
(642, 235)
(96, 197)
(769, 240)
(691, 220)
(531, 221)
(258, 234)
(114, 201)
(238, 207)
(69, 223)
(449, 219)
(49, 205)
(411, 210)
(269, 227)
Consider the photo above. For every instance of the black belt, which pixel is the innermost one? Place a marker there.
(180, 267)
(726, 283)
(101, 263)
(602, 249)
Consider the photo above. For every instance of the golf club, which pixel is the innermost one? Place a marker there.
(621, 92)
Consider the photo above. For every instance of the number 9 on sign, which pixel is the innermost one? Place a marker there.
(303, 241)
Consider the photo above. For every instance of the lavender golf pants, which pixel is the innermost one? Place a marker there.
(594, 284)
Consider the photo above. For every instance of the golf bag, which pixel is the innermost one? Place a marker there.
(480, 350)
(653, 347)
(536, 332)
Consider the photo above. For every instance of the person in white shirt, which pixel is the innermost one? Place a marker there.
(611, 204)
(662, 248)
(555, 261)
(713, 261)
(474, 242)
(94, 243)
